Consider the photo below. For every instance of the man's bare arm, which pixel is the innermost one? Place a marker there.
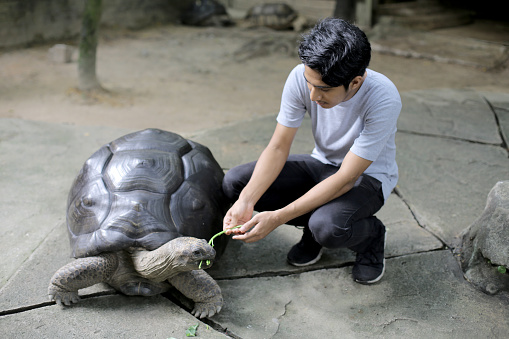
(267, 168)
(336, 185)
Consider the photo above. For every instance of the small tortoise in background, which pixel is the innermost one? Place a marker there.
(138, 213)
(277, 16)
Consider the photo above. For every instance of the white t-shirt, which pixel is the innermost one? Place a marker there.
(365, 124)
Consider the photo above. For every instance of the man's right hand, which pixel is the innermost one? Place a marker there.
(238, 214)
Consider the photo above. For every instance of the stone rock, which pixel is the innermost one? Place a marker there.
(60, 53)
(484, 253)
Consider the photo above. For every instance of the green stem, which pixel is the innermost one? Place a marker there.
(211, 241)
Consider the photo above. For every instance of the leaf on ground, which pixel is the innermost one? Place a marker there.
(191, 331)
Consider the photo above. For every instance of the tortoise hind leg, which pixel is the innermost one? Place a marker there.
(81, 273)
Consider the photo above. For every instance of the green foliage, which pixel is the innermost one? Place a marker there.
(191, 331)
(211, 242)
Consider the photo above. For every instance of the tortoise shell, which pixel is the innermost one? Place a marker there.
(143, 190)
(273, 15)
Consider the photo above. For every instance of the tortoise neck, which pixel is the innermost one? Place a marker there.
(157, 265)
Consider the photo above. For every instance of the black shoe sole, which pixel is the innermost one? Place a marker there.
(374, 280)
(311, 262)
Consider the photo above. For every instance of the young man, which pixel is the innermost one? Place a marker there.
(335, 191)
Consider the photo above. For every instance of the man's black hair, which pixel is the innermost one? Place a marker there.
(337, 50)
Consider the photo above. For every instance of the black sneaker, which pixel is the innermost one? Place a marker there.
(306, 252)
(369, 266)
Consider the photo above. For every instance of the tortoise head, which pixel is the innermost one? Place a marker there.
(188, 252)
(178, 255)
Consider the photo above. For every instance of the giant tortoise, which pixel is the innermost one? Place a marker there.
(277, 16)
(138, 213)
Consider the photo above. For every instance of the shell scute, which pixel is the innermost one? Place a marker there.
(150, 170)
(154, 139)
(273, 15)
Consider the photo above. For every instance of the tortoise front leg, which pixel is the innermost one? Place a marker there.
(202, 289)
(81, 273)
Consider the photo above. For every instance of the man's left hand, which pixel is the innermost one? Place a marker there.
(258, 227)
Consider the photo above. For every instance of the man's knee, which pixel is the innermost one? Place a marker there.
(235, 180)
(228, 185)
(231, 185)
(329, 234)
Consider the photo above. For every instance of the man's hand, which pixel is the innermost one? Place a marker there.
(238, 214)
(258, 227)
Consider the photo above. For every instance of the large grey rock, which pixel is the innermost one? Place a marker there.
(485, 244)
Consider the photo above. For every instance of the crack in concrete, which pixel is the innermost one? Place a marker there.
(51, 303)
(416, 217)
(278, 319)
(218, 328)
(504, 144)
(392, 321)
(26, 308)
(449, 137)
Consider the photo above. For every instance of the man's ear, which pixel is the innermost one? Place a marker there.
(356, 82)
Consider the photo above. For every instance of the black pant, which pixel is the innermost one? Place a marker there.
(346, 221)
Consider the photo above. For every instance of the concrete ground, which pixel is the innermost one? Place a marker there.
(452, 149)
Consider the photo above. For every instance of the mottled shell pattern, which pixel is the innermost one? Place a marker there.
(273, 15)
(143, 190)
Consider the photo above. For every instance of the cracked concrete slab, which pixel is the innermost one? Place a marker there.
(249, 139)
(463, 114)
(500, 103)
(421, 296)
(446, 182)
(106, 317)
(34, 275)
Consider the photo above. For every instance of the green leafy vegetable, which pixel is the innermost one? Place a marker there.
(211, 242)
(502, 269)
(191, 331)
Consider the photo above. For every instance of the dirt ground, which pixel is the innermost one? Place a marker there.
(187, 79)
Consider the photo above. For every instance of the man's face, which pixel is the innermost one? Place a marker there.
(324, 95)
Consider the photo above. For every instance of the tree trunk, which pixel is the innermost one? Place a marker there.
(345, 9)
(88, 46)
